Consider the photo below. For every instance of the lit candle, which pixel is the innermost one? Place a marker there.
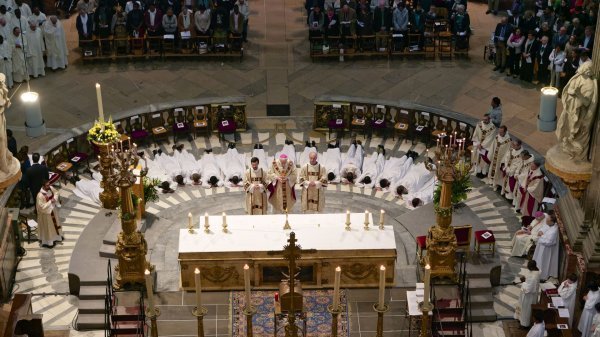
(336, 288)
(205, 218)
(366, 216)
(450, 142)
(100, 109)
(454, 137)
(224, 218)
(148, 278)
(198, 285)
(189, 220)
(247, 284)
(426, 286)
(381, 287)
(347, 216)
(381, 218)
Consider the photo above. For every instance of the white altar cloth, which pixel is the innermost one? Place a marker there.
(265, 233)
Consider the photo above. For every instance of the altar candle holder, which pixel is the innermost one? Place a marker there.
(348, 220)
(382, 220)
(380, 311)
(366, 220)
(190, 224)
(249, 311)
(335, 312)
(200, 313)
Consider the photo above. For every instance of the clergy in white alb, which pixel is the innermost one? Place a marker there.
(568, 292)
(527, 236)
(521, 177)
(255, 186)
(49, 225)
(233, 166)
(532, 190)
(35, 51)
(169, 164)
(421, 197)
(89, 189)
(530, 284)
(187, 162)
(290, 151)
(303, 156)
(38, 17)
(596, 322)
(547, 249)
(589, 310)
(17, 20)
(413, 181)
(332, 160)
(282, 178)
(499, 150)
(352, 164)
(372, 168)
(263, 159)
(56, 44)
(509, 165)
(313, 179)
(155, 170)
(483, 140)
(6, 61)
(539, 328)
(393, 170)
(18, 59)
(211, 171)
(5, 28)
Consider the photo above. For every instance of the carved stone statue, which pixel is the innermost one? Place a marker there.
(9, 165)
(579, 98)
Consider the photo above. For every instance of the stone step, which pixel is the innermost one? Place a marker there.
(482, 301)
(483, 315)
(91, 322)
(91, 307)
(110, 238)
(480, 286)
(89, 292)
(108, 251)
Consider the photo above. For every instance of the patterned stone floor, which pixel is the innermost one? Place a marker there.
(44, 270)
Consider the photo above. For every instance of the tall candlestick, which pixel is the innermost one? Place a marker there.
(206, 224)
(336, 288)
(224, 218)
(100, 109)
(148, 278)
(454, 137)
(381, 287)
(381, 219)
(347, 216)
(189, 220)
(366, 217)
(247, 285)
(450, 142)
(426, 286)
(197, 283)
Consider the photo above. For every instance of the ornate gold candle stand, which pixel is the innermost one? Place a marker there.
(200, 313)
(109, 195)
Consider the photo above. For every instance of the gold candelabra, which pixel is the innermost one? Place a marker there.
(109, 195)
(131, 245)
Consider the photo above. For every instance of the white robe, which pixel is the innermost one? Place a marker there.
(546, 252)
(521, 243)
(169, 164)
(303, 156)
(289, 151)
(187, 162)
(588, 313)
(414, 180)
(48, 231)
(499, 149)
(155, 170)
(35, 52)
(210, 168)
(89, 189)
(56, 45)
(527, 297)
(232, 163)
(372, 168)
(263, 159)
(332, 160)
(596, 325)
(18, 60)
(537, 330)
(6, 65)
(484, 134)
(394, 169)
(353, 162)
(38, 19)
(425, 194)
(568, 293)
(21, 23)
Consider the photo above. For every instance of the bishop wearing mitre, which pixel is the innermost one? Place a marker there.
(282, 178)
(313, 178)
(499, 149)
(49, 226)
(255, 184)
(483, 139)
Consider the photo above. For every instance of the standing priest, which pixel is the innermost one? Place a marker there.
(313, 178)
(499, 149)
(483, 139)
(282, 178)
(49, 225)
(255, 186)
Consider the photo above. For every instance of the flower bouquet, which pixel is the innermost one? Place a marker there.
(103, 133)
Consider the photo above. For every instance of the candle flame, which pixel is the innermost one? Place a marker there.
(147, 272)
(190, 214)
(338, 268)
(246, 267)
(427, 266)
(205, 213)
(382, 267)
(97, 85)
(196, 271)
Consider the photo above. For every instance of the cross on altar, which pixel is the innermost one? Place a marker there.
(292, 252)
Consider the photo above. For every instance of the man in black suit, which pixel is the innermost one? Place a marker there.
(36, 175)
(587, 43)
(501, 34)
(543, 60)
(516, 21)
(85, 26)
(530, 48)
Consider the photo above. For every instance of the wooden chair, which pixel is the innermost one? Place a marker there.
(359, 120)
(77, 155)
(402, 124)
(463, 238)
(481, 238)
(136, 130)
(226, 123)
(60, 162)
(201, 122)
(336, 120)
(445, 44)
(181, 126)
(422, 127)
(379, 123)
(30, 229)
(159, 131)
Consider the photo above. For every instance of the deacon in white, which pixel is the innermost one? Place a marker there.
(547, 248)
(568, 292)
(5, 28)
(187, 162)
(290, 151)
(530, 285)
(414, 180)
(539, 328)
(89, 189)
(38, 17)
(35, 50)
(303, 157)
(394, 170)
(169, 164)
(155, 170)
(211, 172)
(372, 168)
(352, 164)
(313, 180)
(500, 148)
(232, 165)
(589, 310)
(332, 159)
(56, 44)
(483, 140)
(525, 237)
(18, 20)
(510, 164)
(18, 59)
(421, 197)
(6, 61)
(255, 186)
(262, 157)
(49, 226)
(24, 8)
